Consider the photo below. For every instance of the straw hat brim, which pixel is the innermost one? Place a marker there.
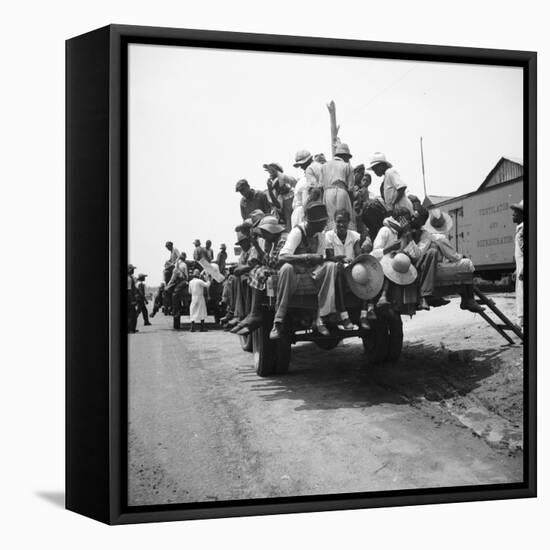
(401, 279)
(272, 228)
(376, 277)
(517, 207)
(445, 228)
(299, 163)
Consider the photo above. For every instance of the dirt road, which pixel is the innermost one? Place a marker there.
(204, 427)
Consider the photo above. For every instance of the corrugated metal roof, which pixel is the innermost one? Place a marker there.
(438, 198)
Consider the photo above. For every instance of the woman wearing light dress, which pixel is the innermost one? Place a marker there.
(197, 309)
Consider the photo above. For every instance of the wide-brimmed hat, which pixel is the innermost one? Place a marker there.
(256, 216)
(131, 266)
(378, 158)
(439, 222)
(365, 276)
(316, 212)
(271, 225)
(142, 276)
(239, 184)
(301, 157)
(320, 158)
(343, 149)
(241, 237)
(399, 269)
(275, 165)
(517, 206)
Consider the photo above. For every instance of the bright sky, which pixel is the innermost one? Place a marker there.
(201, 119)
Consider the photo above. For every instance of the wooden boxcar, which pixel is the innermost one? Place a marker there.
(483, 229)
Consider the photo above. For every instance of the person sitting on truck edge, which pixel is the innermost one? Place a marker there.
(251, 199)
(238, 307)
(426, 262)
(274, 234)
(171, 262)
(439, 225)
(395, 236)
(392, 188)
(280, 190)
(255, 247)
(343, 246)
(304, 252)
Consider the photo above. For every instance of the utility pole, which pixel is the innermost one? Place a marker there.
(427, 202)
(333, 127)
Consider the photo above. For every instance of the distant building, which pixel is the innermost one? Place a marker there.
(483, 229)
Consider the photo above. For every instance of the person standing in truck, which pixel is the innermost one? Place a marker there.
(517, 217)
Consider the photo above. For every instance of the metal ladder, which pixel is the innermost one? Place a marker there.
(506, 324)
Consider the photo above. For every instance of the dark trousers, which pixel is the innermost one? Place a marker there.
(427, 267)
(142, 308)
(178, 295)
(242, 298)
(132, 313)
(168, 273)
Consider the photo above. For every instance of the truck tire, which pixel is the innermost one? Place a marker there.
(283, 348)
(264, 350)
(376, 341)
(246, 342)
(384, 341)
(395, 343)
(327, 343)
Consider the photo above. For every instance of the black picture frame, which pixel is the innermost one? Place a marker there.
(96, 223)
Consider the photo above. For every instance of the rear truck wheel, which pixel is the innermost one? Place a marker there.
(376, 341)
(384, 341)
(395, 345)
(327, 343)
(264, 350)
(284, 348)
(246, 342)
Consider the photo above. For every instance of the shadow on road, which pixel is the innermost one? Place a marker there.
(342, 378)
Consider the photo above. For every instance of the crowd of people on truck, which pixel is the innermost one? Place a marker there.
(326, 231)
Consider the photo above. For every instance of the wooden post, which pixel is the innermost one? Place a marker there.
(333, 127)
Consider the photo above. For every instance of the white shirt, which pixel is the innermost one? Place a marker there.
(386, 237)
(345, 248)
(300, 192)
(197, 286)
(295, 238)
(518, 255)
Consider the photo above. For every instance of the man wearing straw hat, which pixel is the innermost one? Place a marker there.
(337, 181)
(304, 252)
(449, 260)
(517, 217)
(251, 199)
(306, 184)
(393, 188)
(280, 190)
(274, 235)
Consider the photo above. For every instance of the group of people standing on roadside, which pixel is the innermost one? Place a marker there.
(327, 229)
(186, 286)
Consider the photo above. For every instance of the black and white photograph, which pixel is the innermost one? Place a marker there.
(325, 275)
